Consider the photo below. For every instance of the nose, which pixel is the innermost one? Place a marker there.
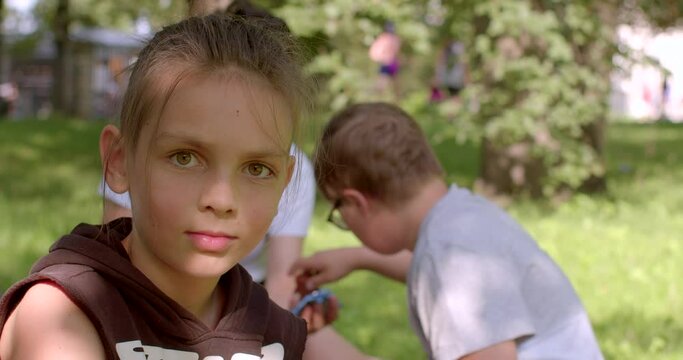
(218, 195)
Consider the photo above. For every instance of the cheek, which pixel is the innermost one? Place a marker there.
(260, 204)
(165, 199)
(374, 233)
(162, 199)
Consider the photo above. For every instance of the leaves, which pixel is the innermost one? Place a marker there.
(348, 28)
(534, 66)
(119, 14)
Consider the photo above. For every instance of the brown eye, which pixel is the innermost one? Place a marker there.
(258, 170)
(183, 159)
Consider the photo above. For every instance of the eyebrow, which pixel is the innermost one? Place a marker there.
(186, 139)
(271, 152)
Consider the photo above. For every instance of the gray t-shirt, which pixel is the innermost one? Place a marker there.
(478, 279)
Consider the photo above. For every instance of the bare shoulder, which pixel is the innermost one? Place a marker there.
(46, 324)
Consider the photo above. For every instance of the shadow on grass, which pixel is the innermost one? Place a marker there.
(644, 149)
(43, 158)
(48, 183)
(631, 335)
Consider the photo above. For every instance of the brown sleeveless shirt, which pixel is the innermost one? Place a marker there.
(135, 320)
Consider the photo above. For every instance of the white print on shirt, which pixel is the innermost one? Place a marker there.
(134, 350)
(271, 352)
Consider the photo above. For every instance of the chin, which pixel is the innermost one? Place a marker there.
(213, 268)
(384, 250)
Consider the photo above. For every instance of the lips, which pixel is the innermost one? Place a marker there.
(207, 241)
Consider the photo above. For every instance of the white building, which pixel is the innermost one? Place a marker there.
(638, 91)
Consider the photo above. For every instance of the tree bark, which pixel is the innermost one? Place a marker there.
(203, 7)
(510, 170)
(2, 41)
(599, 59)
(60, 91)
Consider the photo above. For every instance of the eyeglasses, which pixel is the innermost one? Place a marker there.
(335, 216)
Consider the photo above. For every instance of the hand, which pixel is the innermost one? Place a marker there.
(324, 267)
(318, 308)
(320, 314)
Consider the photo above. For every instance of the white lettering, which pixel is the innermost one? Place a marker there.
(271, 352)
(243, 356)
(134, 350)
(130, 350)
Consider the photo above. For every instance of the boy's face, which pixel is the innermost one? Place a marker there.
(206, 182)
(377, 226)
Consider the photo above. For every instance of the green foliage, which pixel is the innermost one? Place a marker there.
(348, 28)
(536, 68)
(533, 80)
(662, 13)
(119, 14)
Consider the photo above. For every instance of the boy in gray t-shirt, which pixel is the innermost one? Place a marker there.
(478, 285)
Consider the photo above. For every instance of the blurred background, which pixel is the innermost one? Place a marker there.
(567, 113)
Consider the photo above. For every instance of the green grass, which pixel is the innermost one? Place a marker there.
(621, 250)
(49, 173)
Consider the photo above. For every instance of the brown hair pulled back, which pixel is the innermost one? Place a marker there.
(206, 45)
(375, 148)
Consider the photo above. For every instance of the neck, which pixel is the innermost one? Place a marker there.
(417, 208)
(200, 296)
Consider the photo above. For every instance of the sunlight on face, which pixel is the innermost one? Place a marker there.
(206, 180)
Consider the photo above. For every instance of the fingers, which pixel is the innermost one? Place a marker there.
(315, 281)
(319, 315)
(314, 316)
(310, 275)
(305, 266)
(331, 309)
(315, 263)
(323, 267)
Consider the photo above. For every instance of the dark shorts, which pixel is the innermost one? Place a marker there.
(389, 69)
(453, 91)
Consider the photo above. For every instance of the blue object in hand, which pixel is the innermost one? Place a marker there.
(318, 296)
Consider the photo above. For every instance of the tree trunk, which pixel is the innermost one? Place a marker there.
(594, 136)
(60, 91)
(2, 41)
(510, 170)
(202, 7)
(599, 59)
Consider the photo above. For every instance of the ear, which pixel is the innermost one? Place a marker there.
(113, 157)
(357, 199)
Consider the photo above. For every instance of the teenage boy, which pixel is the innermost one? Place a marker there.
(479, 287)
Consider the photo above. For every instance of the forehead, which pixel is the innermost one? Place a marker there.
(232, 106)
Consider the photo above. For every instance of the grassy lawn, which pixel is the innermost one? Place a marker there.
(621, 250)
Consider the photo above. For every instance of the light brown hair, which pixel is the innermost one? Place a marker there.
(377, 149)
(207, 45)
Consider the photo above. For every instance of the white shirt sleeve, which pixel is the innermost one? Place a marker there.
(298, 200)
(122, 200)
